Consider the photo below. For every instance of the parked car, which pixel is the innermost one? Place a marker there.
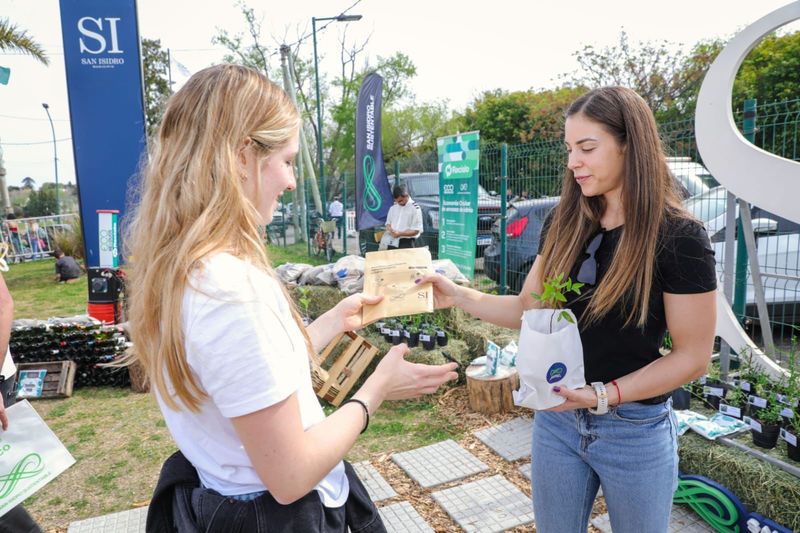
(694, 179)
(777, 240)
(424, 190)
(778, 247)
(524, 221)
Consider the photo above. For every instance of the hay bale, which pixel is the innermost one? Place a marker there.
(762, 487)
(474, 332)
(322, 298)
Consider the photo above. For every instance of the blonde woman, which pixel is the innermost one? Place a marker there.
(619, 228)
(223, 346)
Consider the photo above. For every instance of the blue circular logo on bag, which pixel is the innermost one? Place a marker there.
(556, 372)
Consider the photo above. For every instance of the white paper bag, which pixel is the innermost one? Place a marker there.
(30, 456)
(550, 354)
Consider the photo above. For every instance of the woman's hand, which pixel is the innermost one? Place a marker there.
(583, 398)
(348, 311)
(445, 292)
(397, 379)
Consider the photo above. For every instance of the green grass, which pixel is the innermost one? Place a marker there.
(36, 295)
(119, 438)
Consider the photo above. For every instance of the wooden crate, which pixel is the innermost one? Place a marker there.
(57, 382)
(334, 384)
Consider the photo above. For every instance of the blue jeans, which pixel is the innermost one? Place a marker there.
(632, 452)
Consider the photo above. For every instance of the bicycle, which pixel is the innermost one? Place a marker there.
(322, 243)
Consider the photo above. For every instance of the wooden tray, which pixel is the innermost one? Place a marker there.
(57, 382)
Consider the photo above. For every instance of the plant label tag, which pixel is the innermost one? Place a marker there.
(713, 391)
(730, 410)
(440, 333)
(757, 401)
(395, 333)
(703, 380)
(424, 338)
(407, 334)
(384, 331)
(789, 437)
(784, 399)
(754, 425)
(787, 413)
(744, 385)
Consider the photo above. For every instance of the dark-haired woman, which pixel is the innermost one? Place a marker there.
(648, 267)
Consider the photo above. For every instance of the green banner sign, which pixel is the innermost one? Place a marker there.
(459, 158)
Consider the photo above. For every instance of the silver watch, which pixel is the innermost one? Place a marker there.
(602, 398)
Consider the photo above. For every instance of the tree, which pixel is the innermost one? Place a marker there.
(41, 203)
(13, 39)
(28, 182)
(519, 116)
(659, 74)
(156, 86)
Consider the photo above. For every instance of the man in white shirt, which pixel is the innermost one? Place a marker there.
(336, 212)
(404, 220)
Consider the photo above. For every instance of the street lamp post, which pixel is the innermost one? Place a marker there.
(55, 155)
(338, 18)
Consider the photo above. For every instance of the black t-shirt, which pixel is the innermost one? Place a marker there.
(684, 265)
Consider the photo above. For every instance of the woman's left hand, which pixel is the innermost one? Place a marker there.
(583, 398)
(348, 311)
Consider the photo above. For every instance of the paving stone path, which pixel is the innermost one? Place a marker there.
(488, 503)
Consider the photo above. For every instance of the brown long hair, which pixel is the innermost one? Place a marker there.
(192, 205)
(649, 195)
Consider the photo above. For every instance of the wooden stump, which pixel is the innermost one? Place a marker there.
(139, 380)
(491, 394)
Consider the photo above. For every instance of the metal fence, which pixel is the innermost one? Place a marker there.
(534, 171)
(35, 237)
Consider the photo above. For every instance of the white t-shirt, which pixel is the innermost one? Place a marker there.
(247, 353)
(9, 368)
(336, 209)
(404, 218)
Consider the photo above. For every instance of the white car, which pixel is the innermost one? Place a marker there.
(778, 247)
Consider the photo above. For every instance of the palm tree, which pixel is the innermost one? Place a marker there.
(14, 39)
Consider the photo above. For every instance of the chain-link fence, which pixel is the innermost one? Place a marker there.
(533, 178)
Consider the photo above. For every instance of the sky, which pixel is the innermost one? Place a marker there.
(460, 49)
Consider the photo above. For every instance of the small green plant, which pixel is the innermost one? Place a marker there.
(736, 397)
(771, 415)
(553, 294)
(304, 299)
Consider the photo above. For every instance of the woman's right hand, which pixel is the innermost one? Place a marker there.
(398, 379)
(445, 292)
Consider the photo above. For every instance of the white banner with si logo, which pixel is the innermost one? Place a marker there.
(30, 456)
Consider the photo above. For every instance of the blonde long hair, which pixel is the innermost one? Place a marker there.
(192, 204)
(649, 196)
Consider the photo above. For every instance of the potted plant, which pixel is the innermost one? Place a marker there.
(735, 404)
(790, 433)
(765, 425)
(441, 337)
(682, 397)
(412, 332)
(550, 353)
(714, 389)
(427, 337)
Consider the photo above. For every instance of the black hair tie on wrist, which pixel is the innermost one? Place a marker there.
(362, 404)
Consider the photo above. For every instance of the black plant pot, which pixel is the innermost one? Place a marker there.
(441, 338)
(793, 452)
(767, 437)
(429, 343)
(711, 400)
(681, 398)
(396, 339)
(412, 339)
